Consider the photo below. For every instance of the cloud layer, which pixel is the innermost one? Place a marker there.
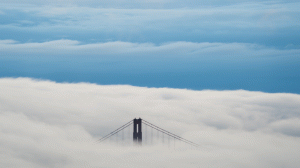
(183, 49)
(243, 22)
(48, 124)
(143, 3)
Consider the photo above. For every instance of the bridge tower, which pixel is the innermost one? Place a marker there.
(137, 130)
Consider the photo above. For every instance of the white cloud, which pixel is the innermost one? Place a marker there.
(48, 124)
(244, 15)
(200, 20)
(287, 126)
(7, 42)
(248, 22)
(142, 3)
(205, 51)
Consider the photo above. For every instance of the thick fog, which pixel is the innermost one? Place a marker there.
(48, 124)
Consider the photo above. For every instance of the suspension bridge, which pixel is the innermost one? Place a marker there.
(141, 136)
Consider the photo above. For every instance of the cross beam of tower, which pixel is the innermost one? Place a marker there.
(137, 130)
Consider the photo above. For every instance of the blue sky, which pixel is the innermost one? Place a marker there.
(251, 45)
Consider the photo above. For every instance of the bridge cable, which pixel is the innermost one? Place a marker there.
(177, 137)
(183, 140)
(108, 135)
(170, 133)
(103, 139)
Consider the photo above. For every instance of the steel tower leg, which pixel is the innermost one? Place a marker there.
(137, 130)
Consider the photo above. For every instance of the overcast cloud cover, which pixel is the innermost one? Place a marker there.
(48, 124)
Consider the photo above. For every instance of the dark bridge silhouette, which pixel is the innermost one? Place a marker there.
(137, 132)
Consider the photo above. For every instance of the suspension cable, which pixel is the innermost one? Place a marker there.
(170, 133)
(163, 132)
(110, 135)
(174, 136)
(115, 131)
(180, 139)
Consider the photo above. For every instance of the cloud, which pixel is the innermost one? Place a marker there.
(205, 51)
(142, 3)
(48, 124)
(247, 15)
(289, 127)
(254, 22)
(7, 42)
